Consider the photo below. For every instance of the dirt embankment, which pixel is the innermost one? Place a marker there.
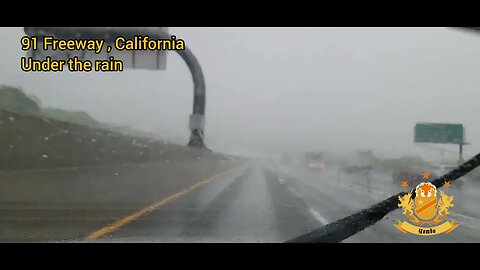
(28, 142)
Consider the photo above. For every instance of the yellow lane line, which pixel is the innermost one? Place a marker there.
(128, 219)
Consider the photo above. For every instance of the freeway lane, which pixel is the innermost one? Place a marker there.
(68, 203)
(181, 202)
(339, 196)
(270, 203)
(252, 206)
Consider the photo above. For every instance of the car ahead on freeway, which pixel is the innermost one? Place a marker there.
(413, 175)
(315, 161)
(316, 165)
(442, 169)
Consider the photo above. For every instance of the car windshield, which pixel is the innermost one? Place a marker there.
(171, 134)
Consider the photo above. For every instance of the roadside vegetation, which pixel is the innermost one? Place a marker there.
(390, 164)
(15, 100)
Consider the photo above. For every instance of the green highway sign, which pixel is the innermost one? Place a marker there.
(439, 133)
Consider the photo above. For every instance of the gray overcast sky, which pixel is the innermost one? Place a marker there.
(285, 89)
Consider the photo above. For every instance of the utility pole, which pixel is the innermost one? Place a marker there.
(460, 153)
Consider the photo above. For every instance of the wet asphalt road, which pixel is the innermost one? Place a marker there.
(258, 202)
(250, 206)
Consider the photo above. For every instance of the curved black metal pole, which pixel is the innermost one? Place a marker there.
(197, 119)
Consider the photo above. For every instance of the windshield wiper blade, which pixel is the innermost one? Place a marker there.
(344, 228)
